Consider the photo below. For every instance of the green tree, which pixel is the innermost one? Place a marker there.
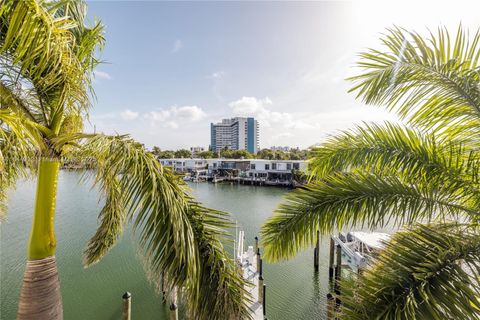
(425, 172)
(47, 57)
(156, 150)
(297, 154)
(225, 153)
(280, 155)
(238, 154)
(266, 154)
(183, 153)
(166, 154)
(206, 154)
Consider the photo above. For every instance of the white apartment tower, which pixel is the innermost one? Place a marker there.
(235, 134)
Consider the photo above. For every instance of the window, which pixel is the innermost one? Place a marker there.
(267, 167)
(296, 166)
(289, 166)
(252, 166)
(274, 166)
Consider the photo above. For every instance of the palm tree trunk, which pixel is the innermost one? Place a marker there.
(40, 296)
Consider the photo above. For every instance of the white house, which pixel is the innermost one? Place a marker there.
(185, 165)
(254, 171)
(278, 171)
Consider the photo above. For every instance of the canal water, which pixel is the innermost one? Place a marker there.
(294, 291)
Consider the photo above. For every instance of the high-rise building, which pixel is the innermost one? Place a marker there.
(235, 134)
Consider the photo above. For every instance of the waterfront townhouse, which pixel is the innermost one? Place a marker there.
(252, 171)
(273, 172)
(185, 165)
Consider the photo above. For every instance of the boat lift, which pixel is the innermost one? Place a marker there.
(357, 249)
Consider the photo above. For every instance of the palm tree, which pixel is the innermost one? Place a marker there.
(426, 171)
(47, 57)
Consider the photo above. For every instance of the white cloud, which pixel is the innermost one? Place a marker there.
(102, 75)
(217, 80)
(174, 116)
(260, 109)
(129, 115)
(177, 46)
(217, 75)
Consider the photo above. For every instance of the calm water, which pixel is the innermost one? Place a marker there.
(293, 290)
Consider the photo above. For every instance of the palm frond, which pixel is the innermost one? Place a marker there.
(358, 198)
(178, 237)
(425, 272)
(434, 82)
(47, 48)
(219, 292)
(111, 222)
(18, 151)
(395, 148)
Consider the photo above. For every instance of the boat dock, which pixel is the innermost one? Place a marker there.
(251, 265)
(353, 252)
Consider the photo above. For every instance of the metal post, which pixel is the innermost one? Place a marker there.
(332, 257)
(127, 306)
(338, 270)
(316, 251)
(263, 300)
(260, 290)
(256, 244)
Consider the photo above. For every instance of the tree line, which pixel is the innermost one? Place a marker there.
(294, 154)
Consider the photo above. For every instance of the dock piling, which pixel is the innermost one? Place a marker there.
(331, 261)
(330, 307)
(338, 270)
(258, 259)
(316, 252)
(127, 306)
(260, 290)
(256, 244)
(263, 299)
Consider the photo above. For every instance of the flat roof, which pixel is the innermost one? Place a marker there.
(375, 240)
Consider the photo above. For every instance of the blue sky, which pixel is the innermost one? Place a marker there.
(173, 67)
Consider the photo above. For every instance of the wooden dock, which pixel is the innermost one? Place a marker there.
(250, 263)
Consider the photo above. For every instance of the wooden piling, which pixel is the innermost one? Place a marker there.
(260, 267)
(260, 290)
(258, 259)
(263, 299)
(330, 307)
(256, 244)
(338, 270)
(316, 252)
(331, 260)
(127, 306)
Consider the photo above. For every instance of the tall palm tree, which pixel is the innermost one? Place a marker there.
(47, 57)
(426, 171)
